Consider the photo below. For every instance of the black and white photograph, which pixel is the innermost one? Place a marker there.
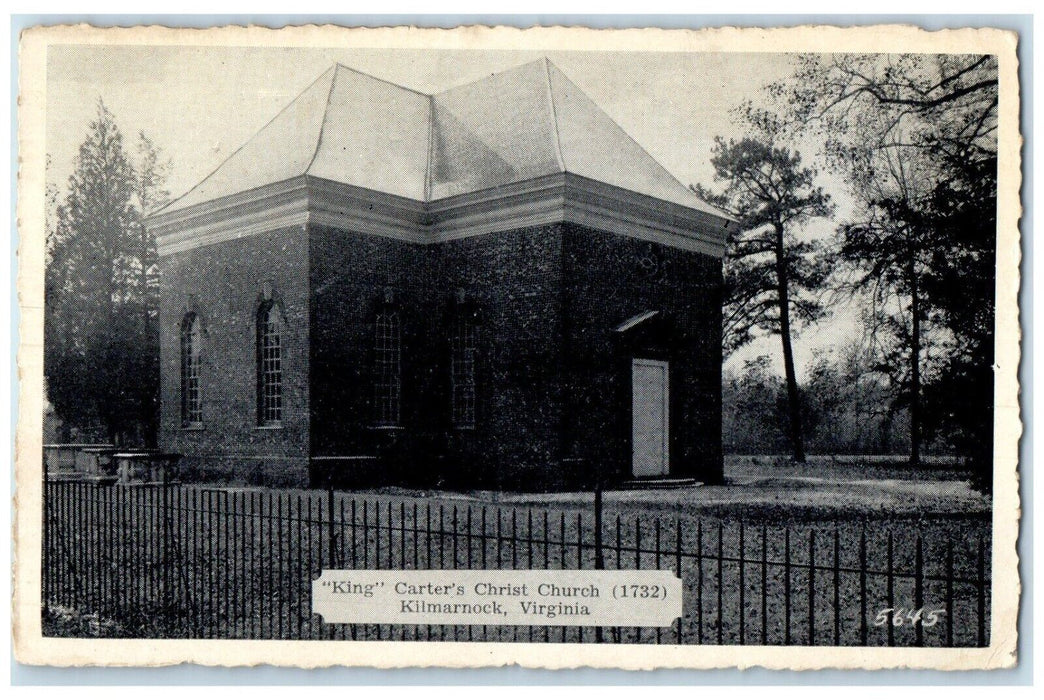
(708, 353)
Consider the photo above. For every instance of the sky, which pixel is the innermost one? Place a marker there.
(199, 104)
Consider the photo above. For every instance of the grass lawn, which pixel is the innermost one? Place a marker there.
(244, 557)
(771, 488)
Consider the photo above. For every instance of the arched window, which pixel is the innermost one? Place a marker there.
(269, 365)
(462, 371)
(191, 397)
(387, 367)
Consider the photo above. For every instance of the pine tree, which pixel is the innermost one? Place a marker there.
(100, 345)
(770, 276)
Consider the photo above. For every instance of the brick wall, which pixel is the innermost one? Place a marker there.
(514, 279)
(351, 274)
(224, 283)
(553, 377)
(608, 280)
(511, 280)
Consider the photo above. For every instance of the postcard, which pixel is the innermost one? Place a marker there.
(556, 347)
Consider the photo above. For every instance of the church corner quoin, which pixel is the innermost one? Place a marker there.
(432, 290)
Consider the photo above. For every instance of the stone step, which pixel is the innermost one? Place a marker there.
(660, 483)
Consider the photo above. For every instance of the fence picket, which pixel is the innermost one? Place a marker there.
(837, 586)
(863, 620)
(980, 588)
(889, 569)
(721, 580)
(637, 562)
(678, 569)
(812, 586)
(949, 594)
(742, 586)
(764, 584)
(198, 562)
(786, 586)
(919, 588)
(699, 582)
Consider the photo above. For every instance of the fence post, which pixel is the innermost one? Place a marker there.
(837, 587)
(45, 556)
(599, 560)
(764, 584)
(721, 579)
(891, 591)
(812, 586)
(981, 591)
(863, 629)
(949, 592)
(637, 562)
(742, 585)
(919, 588)
(618, 631)
(678, 565)
(331, 538)
(786, 584)
(168, 564)
(599, 563)
(699, 581)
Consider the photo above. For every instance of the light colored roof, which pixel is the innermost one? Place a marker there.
(375, 136)
(512, 126)
(493, 132)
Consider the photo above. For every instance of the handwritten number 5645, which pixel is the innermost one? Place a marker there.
(902, 616)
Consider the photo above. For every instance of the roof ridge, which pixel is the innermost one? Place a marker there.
(554, 114)
(256, 134)
(431, 148)
(487, 76)
(322, 127)
(338, 64)
(628, 136)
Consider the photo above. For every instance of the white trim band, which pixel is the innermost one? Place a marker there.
(542, 201)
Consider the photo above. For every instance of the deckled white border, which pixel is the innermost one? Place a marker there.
(31, 648)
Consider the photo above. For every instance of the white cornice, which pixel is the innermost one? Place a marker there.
(555, 198)
(365, 211)
(238, 216)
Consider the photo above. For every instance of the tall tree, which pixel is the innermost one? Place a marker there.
(150, 176)
(771, 277)
(915, 136)
(99, 330)
(961, 210)
(888, 245)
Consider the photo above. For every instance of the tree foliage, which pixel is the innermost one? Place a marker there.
(946, 103)
(915, 138)
(844, 406)
(101, 340)
(772, 194)
(772, 277)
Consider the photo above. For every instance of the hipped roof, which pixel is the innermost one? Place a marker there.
(523, 123)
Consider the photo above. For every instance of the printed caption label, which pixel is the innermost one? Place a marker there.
(482, 597)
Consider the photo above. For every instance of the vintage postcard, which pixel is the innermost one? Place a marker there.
(554, 347)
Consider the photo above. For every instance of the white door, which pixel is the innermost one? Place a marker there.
(649, 418)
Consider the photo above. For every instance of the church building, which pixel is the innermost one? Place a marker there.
(489, 287)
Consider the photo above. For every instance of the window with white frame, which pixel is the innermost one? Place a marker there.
(463, 347)
(191, 396)
(387, 368)
(269, 366)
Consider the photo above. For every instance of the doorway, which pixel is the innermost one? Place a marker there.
(650, 435)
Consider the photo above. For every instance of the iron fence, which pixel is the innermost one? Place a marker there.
(191, 561)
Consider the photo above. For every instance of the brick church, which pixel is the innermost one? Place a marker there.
(490, 287)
